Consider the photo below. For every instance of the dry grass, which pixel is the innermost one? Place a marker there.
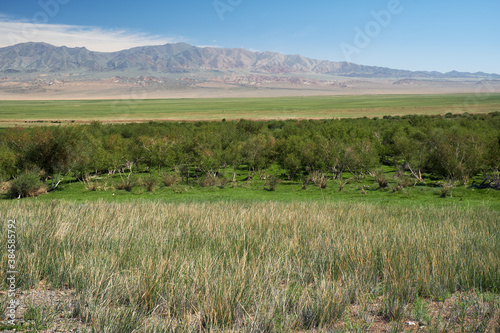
(149, 266)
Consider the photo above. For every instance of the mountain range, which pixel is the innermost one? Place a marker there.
(184, 58)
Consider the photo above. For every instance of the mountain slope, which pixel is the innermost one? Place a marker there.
(181, 57)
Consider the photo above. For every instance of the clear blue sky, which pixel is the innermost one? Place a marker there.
(419, 34)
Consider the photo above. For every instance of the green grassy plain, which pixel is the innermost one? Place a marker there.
(316, 107)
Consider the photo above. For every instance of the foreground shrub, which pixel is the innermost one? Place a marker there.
(210, 180)
(26, 185)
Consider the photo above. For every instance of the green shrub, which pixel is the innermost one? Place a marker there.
(446, 188)
(272, 182)
(208, 181)
(319, 179)
(381, 179)
(149, 182)
(223, 182)
(170, 180)
(127, 184)
(26, 185)
(7, 163)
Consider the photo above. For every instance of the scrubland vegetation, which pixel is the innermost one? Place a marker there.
(419, 150)
(277, 267)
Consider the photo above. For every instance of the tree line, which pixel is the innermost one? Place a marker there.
(451, 147)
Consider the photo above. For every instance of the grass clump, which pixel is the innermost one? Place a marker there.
(421, 311)
(39, 316)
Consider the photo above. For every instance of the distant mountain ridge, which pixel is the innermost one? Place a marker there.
(184, 58)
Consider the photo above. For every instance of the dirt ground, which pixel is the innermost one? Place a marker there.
(104, 89)
(48, 310)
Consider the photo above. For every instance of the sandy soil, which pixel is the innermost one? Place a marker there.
(108, 90)
(462, 311)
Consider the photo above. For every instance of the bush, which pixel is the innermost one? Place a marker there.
(223, 182)
(381, 179)
(127, 184)
(319, 179)
(446, 188)
(26, 185)
(305, 183)
(343, 183)
(7, 164)
(208, 181)
(170, 180)
(149, 183)
(4, 187)
(272, 182)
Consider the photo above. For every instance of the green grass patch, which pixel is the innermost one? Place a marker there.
(323, 107)
(347, 189)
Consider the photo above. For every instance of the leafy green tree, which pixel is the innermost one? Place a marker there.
(456, 154)
(114, 153)
(154, 152)
(54, 150)
(232, 156)
(412, 146)
(8, 162)
(259, 151)
(359, 156)
(328, 155)
(295, 154)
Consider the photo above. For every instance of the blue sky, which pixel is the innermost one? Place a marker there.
(407, 34)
